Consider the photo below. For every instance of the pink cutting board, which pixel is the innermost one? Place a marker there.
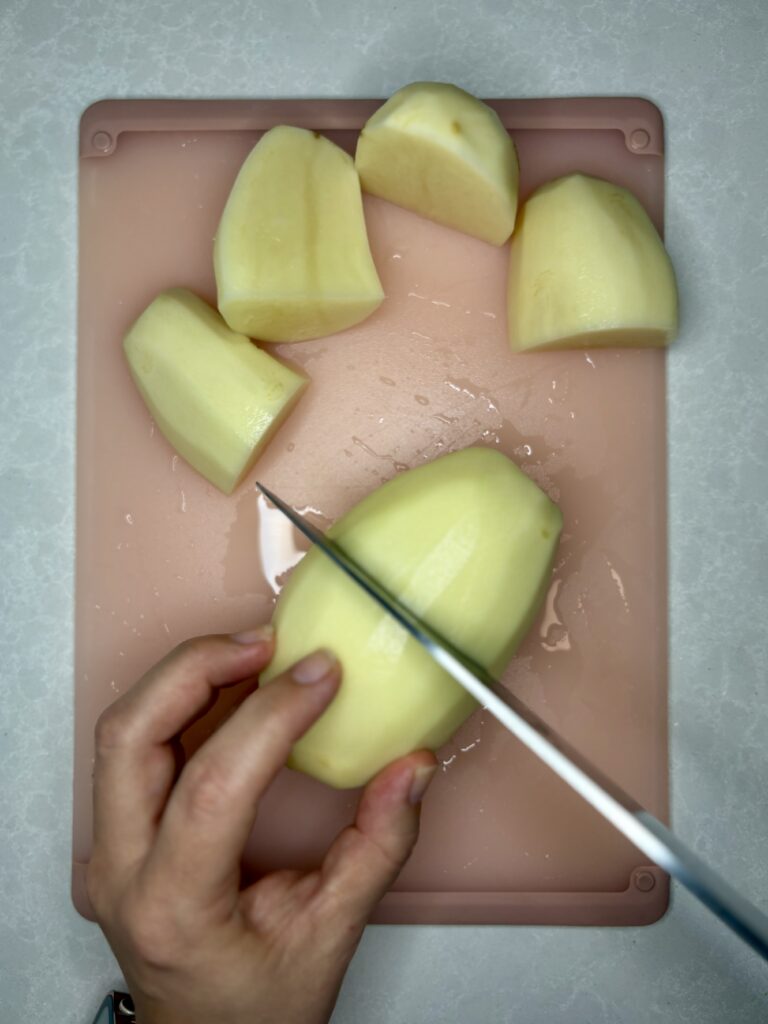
(161, 555)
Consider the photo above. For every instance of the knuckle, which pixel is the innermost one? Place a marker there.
(385, 858)
(193, 651)
(274, 741)
(207, 787)
(278, 710)
(392, 856)
(272, 713)
(150, 933)
(96, 890)
(274, 733)
(110, 731)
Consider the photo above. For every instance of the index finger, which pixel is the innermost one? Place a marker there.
(213, 806)
(134, 763)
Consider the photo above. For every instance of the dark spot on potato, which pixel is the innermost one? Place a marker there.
(545, 534)
(456, 127)
(316, 134)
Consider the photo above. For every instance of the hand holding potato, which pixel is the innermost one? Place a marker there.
(164, 879)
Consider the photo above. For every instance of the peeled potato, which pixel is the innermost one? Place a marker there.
(439, 151)
(587, 268)
(214, 395)
(291, 254)
(467, 543)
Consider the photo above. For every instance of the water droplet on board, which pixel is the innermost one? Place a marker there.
(129, 518)
(384, 457)
(553, 633)
(619, 585)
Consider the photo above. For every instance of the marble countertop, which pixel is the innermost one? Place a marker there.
(704, 63)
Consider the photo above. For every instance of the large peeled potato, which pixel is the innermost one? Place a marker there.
(291, 255)
(215, 396)
(467, 543)
(439, 151)
(587, 268)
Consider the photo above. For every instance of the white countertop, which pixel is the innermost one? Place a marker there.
(704, 64)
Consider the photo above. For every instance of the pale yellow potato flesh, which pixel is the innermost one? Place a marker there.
(467, 543)
(291, 254)
(588, 269)
(214, 395)
(444, 154)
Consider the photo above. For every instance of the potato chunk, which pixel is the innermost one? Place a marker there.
(291, 255)
(587, 268)
(215, 396)
(435, 149)
(467, 543)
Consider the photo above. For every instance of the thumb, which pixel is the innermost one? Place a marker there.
(367, 857)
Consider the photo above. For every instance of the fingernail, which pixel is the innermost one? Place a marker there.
(261, 634)
(422, 777)
(314, 667)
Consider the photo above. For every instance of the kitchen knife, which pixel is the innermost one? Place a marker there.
(641, 827)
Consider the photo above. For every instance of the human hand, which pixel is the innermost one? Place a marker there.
(164, 879)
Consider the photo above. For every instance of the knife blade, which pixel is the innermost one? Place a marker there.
(642, 828)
